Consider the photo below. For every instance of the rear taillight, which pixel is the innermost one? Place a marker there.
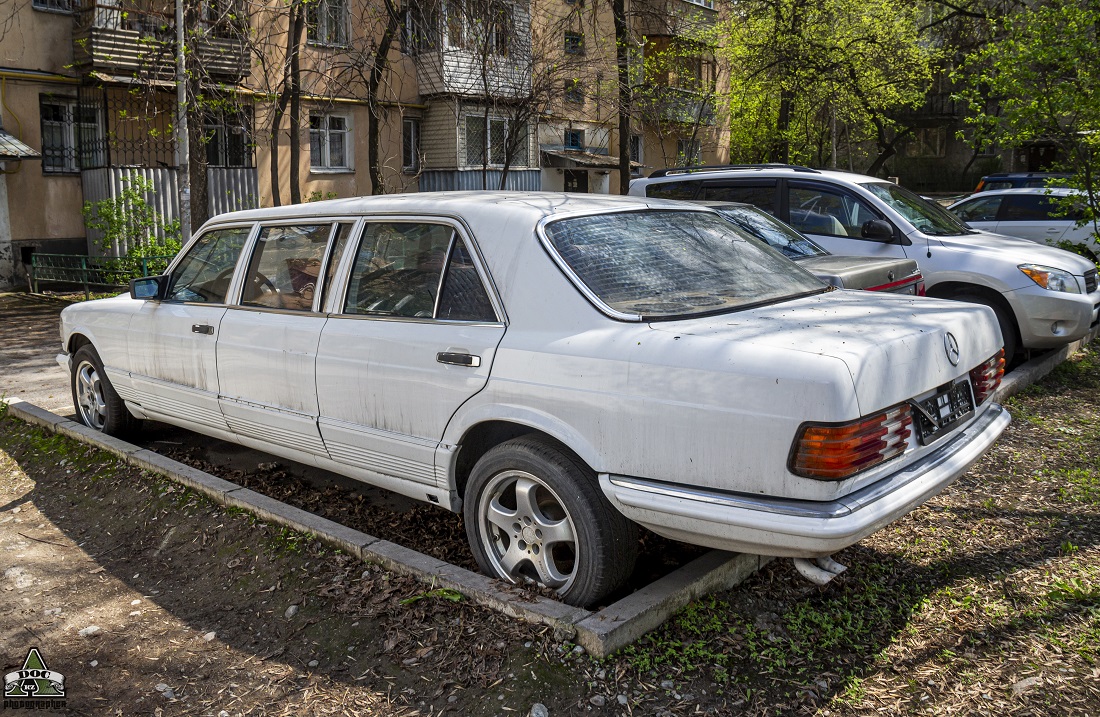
(920, 288)
(834, 452)
(986, 377)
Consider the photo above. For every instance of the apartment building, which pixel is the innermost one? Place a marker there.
(297, 101)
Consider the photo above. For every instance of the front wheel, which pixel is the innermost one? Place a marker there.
(1004, 320)
(97, 405)
(534, 512)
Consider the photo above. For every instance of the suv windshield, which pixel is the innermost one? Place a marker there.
(928, 217)
(671, 264)
(763, 226)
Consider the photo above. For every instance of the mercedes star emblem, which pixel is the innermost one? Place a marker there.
(951, 346)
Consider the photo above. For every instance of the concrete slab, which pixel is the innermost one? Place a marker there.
(274, 511)
(33, 414)
(80, 432)
(1031, 371)
(211, 486)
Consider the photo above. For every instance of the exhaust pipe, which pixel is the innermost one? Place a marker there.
(819, 571)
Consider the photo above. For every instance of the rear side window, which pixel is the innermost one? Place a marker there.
(1027, 208)
(979, 210)
(760, 194)
(463, 297)
(673, 190)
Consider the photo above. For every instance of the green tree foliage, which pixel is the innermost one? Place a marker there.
(1039, 81)
(807, 76)
(131, 230)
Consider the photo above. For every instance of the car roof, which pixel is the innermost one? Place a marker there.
(1051, 191)
(534, 204)
(679, 174)
(1023, 175)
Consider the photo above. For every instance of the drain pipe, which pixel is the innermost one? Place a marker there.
(818, 571)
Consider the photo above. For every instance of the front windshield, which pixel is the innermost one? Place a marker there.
(763, 226)
(928, 217)
(670, 264)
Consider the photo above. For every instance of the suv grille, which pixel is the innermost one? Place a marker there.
(1090, 281)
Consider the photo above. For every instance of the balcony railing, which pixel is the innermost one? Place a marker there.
(677, 105)
(137, 39)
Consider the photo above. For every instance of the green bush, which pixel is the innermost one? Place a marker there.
(128, 221)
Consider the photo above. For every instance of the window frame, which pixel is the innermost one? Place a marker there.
(232, 290)
(221, 128)
(571, 133)
(410, 164)
(66, 6)
(318, 31)
(70, 153)
(325, 165)
(836, 190)
(245, 269)
(523, 152)
(573, 43)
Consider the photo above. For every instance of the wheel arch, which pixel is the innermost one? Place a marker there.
(482, 436)
(954, 289)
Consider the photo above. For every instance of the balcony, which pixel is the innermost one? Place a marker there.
(674, 18)
(674, 105)
(464, 74)
(137, 40)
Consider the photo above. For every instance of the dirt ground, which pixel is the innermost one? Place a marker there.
(985, 601)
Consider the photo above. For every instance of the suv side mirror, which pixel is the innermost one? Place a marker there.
(148, 288)
(877, 229)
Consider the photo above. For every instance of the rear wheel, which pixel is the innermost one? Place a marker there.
(535, 512)
(97, 404)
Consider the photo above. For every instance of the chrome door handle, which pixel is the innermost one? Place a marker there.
(454, 359)
(202, 329)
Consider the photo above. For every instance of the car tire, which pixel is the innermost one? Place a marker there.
(534, 511)
(1004, 319)
(97, 404)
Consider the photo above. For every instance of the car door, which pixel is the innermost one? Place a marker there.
(172, 342)
(834, 219)
(267, 347)
(412, 337)
(1028, 216)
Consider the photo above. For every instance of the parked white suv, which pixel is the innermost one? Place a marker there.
(1044, 297)
(560, 368)
(1034, 213)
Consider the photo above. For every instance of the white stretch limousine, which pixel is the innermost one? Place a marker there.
(559, 368)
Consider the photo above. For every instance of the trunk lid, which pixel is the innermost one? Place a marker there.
(858, 272)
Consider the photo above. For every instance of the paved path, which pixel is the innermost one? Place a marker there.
(29, 340)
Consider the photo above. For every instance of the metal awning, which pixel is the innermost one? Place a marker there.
(123, 80)
(11, 148)
(575, 158)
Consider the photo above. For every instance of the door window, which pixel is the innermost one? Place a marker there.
(818, 210)
(285, 267)
(203, 275)
(672, 190)
(398, 269)
(979, 210)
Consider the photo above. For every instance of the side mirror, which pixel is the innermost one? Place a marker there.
(148, 288)
(878, 230)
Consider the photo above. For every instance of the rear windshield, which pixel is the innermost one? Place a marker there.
(672, 264)
(764, 226)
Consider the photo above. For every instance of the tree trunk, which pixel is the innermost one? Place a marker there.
(626, 91)
(298, 24)
(374, 81)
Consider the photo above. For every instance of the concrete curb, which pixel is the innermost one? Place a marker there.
(600, 633)
(1031, 371)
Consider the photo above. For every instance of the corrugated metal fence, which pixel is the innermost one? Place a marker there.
(439, 180)
(229, 189)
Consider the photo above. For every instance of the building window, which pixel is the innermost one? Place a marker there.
(489, 145)
(328, 142)
(927, 142)
(574, 139)
(481, 26)
(636, 148)
(70, 136)
(327, 22)
(410, 146)
(689, 152)
(702, 3)
(574, 43)
(574, 91)
(227, 141)
(53, 5)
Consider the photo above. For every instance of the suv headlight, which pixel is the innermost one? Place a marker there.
(1050, 278)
